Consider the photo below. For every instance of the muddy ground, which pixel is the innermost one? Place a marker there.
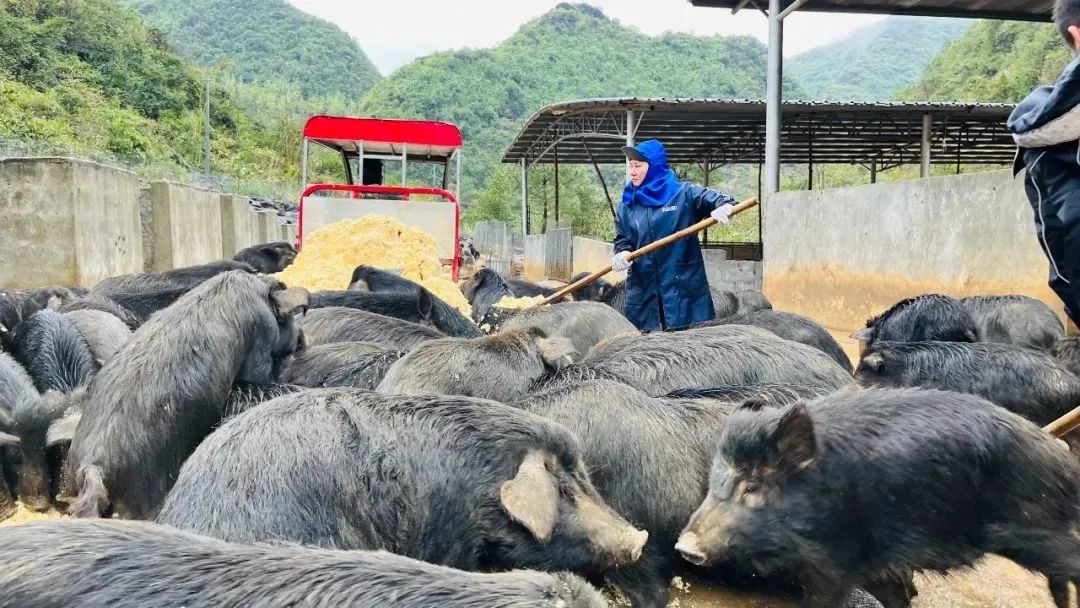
(994, 583)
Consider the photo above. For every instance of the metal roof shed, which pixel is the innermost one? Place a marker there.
(777, 10)
(715, 132)
(1012, 10)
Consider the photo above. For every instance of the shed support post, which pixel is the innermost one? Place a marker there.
(303, 164)
(873, 172)
(706, 170)
(927, 126)
(629, 137)
(524, 199)
(556, 186)
(774, 98)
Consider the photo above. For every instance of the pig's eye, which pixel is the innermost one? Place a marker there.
(750, 487)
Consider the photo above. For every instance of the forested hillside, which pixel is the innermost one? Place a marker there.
(574, 51)
(993, 61)
(875, 62)
(264, 41)
(89, 76)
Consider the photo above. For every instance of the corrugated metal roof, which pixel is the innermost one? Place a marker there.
(1020, 10)
(733, 131)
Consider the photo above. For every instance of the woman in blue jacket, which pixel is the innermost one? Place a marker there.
(666, 289)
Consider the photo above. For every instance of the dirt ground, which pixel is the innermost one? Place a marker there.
(994, 583)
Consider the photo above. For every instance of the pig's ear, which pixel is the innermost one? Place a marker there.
(873, 361)
(62, 430)
(795, 439)
(531, 498)
(557, 352)
(863, 335)
(8, 440)
(425, 303)
(294, 299)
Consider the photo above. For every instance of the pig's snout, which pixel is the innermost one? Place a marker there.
(610, 533)
(632, 545)
(689, 546)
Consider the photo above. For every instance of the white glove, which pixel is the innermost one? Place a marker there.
(722, 213)
(620, 262)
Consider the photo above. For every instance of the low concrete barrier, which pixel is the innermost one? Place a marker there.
(240, 227)
(187, 225)
(845, 254)
(67, 222)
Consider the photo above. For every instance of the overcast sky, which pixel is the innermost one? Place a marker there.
(393, 32)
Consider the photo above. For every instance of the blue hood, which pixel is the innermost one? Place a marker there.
(660, 184)
(1049, 115)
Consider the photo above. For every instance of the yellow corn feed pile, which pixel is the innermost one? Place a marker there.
(331, 253)
(525, 302)
(23, 515)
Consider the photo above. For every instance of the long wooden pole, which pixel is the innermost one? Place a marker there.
(647, 249)
(1064, 425)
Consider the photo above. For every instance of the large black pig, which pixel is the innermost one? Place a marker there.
(584, 323)
(789, 326)
(930, 317)
(501, 367)
(660, 363)
(864, 483)
(268, 258)
(1025, 381)
(54, 352)
(127, 564)
(156, 399)
(339, 324)
(357, 364)
(1014, 319)
(183, 279)
(377, 280)
(420, 307)
(466, 483)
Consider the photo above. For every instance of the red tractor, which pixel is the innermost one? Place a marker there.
(364, 143)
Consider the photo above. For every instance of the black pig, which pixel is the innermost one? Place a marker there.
(339, 324)
(1025, 381)
(466, 483)
(268, 258)
(930, 317)
(864, 483)
(139, 564)
(156, 399)
(1018, 320)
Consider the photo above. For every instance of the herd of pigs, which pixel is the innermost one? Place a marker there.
(222, 439)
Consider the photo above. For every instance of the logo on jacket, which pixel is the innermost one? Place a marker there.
(669, 208)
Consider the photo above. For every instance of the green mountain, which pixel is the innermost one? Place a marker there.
(264, 41)
(88, 77)
(993, 61)
(573, 51)
(875, 62)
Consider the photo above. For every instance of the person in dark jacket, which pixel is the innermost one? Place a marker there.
(665, 289)
(1046, 128)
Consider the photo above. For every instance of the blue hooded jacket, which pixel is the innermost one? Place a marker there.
(670, 281)
(1046, 128)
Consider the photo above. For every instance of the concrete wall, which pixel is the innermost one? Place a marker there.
(535, 258)
(187, 225)
(66, 222)
(843, 255)
(590, 254)
(731, 275)
(240, 227)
